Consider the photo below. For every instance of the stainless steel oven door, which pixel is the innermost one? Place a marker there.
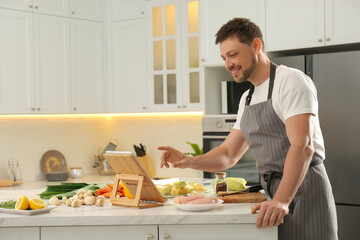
(245, 167)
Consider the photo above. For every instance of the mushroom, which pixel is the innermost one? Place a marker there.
(54, 201)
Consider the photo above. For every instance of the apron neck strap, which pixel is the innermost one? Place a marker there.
(271, 85)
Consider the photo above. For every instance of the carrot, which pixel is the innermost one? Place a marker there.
(106, 189)
(110, 185)
(98, 192)
(120, 188)
(107, 194)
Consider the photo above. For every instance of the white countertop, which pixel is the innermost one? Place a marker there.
(116, 215)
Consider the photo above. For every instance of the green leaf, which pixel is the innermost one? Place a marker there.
(196, 148)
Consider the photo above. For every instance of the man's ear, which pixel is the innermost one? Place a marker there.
(256, 45)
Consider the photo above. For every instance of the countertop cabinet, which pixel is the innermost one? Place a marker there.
(129, 75)
(214, 13)
(101, 232)
(309, 23)
(16, 233)
(215, 232)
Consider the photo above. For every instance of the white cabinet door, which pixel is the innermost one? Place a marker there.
(216, 232)
(24, 5)
(294, 24)
(342, 20)
(100, 232)
(214, 13)
(16, 233)
(16, 62)
(129, 78)
(53, 7)
(87, 74)
(86, 9)
(127, 9)
(52, 64)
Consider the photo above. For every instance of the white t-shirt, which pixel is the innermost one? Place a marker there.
(294, 93)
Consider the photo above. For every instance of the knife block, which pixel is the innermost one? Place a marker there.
(146, 163)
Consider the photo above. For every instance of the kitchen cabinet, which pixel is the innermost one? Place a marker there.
(127, 9)
(16, 62)
(129, 75)
(87, 68)
(52, 64)
(16, 233)
(53, 7)
(173, 59)
(86, 9)
(214, 13)
(215, 232)
(148, 232)
(305, 24)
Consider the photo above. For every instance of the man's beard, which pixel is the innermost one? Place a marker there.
(248, 72)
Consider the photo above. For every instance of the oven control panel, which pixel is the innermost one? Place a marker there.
(218, 123)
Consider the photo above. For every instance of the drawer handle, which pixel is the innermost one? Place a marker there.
(165, 236)
(149, 237)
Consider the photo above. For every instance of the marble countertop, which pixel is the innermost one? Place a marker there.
(116, 215)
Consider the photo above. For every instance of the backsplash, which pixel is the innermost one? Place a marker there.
(79, 138)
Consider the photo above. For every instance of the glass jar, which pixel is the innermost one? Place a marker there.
(221, 183)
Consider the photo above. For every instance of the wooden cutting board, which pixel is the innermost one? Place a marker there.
(244, 198)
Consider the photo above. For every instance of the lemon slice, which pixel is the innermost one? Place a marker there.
(22, 203)
(36, 203)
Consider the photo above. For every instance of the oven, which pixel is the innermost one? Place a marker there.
(215, 130)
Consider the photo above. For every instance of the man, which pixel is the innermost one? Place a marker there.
(278, 121)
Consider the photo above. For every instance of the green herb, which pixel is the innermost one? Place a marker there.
(196, 148)
(8, 204)
(63, 188)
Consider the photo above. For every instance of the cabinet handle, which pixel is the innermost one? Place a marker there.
(184, 106)
(72, 12)
(203, 60)
(149, 237)
(165, 236)
(36, 7)
(31, 6)
(32, 109)
(320, 40)
(144, 108)
(142, 12)
(38, 109)
(74, 108)
(328, 39)
(179, 106)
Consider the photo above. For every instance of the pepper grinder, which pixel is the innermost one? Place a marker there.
(10, 171)
(18, 176)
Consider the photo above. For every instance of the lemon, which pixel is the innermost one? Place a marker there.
(36, 203)
(22, 203)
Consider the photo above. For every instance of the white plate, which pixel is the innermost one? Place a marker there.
(27, 212)
(197, 207)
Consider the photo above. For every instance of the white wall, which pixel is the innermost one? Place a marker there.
(79, 138)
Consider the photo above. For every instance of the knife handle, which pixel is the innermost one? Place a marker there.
(255, 188)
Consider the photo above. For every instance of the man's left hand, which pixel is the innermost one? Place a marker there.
(271, 213)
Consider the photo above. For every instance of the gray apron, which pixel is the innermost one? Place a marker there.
(312, 213)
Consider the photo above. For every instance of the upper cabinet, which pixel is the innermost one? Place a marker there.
(173, 61)
(53, 7)
(127, 9)
(16, 62)
(87, 9)
(87, 66)
(309, 23)
(129, 75)
(214, 13)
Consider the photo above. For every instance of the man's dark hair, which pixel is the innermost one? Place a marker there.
(244, 29)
